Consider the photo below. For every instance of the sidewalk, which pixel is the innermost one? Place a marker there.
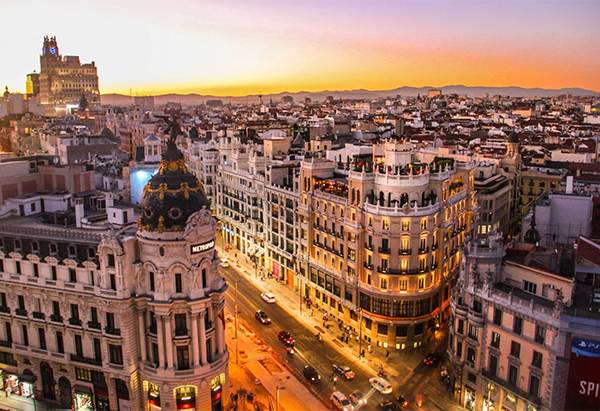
(15, 402)
(260, 374)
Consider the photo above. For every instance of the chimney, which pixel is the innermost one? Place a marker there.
(109, 200)
(569, 184)
(79, 212)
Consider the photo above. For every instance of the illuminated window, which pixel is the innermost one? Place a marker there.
(421, 283)
(386, 224)
(403, 285)
(405, 225)
(424, 224)
(383, 283)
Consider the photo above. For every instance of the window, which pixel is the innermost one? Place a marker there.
(515, 349)
(385, 264)
(421, 282)
(111, 260)
(495, 340)
(53, 272)
(18, 267)
(424, 224)
(518, 325)
(403, 285)
(3, 302)
(60, 347)
(116, 354)
(110, 321)
(471, 356)
(497, 317)
(460, 328)
(78, 345)
(113, 282)
(72, 275)
(529, 287)
(459, 347)
(183, 358)
(513, 374)
(36, 270)
(385, 224)
(405, 225)
(180, 324)
(151, 280)
(42, 338)
(537, 359)
(472, 332)
(383, 283)
(21, 302)
(55, 308)
(540, 334)
(97, 349)
(493, 365)
(351, 254)
(534, 386)
(178, 285)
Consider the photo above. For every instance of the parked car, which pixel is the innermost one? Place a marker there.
(286, 338)
(431, 358)
(357, 398)
(340, 401)
(381, 385)
(344, 371)
(224, 263)
(262, 317)
(311, 374)
(268, 297)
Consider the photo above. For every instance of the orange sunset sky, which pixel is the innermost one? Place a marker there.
(235, 48)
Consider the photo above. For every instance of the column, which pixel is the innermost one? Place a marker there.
(195, 346)
(143, 333)
(169, 342)
(203, 358)
(161, 341)
(220, 335)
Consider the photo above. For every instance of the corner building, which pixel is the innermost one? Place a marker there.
(382, 235)
(130, 319)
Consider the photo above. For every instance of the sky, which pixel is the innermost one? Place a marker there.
(236, 48)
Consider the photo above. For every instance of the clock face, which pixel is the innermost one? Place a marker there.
(52, 50)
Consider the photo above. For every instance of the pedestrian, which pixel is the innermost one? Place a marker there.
(312, 312)
(346, 339)
(369, 348)
(362, 353)
(387, 354)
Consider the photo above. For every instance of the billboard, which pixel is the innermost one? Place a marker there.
(583, 386)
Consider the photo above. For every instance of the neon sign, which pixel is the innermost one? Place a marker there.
(198, 248)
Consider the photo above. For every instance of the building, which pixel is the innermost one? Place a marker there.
(380, 240)
(144, 102)
(504, 335)
(120, 318)
(32, 86)
(64, 80)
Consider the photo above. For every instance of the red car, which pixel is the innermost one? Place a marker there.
(286, 338)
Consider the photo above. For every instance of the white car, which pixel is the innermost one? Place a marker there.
(268, 297)
(381, 385)
(340, 401)
(224, 263)
(357, 398)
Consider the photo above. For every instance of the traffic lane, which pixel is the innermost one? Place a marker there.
(320, 354)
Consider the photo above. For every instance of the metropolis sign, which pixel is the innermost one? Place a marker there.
(583, 386)
(198, 248)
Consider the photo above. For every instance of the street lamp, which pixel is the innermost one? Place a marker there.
(359, 332)
(278, 388)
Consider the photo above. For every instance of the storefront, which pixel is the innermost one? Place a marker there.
(18, 385)
(186, 398)
(488, 400)
(469, 399)
(153, 396)
(82, 400)
(216, 394)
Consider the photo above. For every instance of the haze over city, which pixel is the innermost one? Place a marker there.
(238, 48)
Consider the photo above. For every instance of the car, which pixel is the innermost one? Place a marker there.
(388, 405)
(340, 401)
(357, 398)
(431, 358)
(262, 317)
(402, 400)
(268, 297)
(381, 385)
(224, 263)
(286, 338)
(311, 374)
(344, 371)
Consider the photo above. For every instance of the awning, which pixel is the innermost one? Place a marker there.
(27, 378)
(82, 388)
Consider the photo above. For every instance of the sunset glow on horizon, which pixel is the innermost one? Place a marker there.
(237, 48)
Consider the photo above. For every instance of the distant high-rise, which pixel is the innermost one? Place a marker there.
(33, 84)
(63, 80)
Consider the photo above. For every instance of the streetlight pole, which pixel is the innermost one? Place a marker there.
(236, 320)
(278, 388)
(359, 333)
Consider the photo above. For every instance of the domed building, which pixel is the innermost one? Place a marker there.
(180, 293)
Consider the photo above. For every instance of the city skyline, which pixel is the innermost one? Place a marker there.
(238, 48)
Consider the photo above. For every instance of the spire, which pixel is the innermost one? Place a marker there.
(532, 236)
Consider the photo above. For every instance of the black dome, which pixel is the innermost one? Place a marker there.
(514, 138)
(171, 196)
(193, 133)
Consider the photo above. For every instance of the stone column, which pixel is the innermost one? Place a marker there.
(220, 335)
(161, 341)
(203, 357)
(195, 346)
(169, 342)
(143, 333)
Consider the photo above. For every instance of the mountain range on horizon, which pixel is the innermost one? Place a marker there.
(405, 91)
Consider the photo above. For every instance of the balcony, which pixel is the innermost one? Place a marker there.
(75, 321)
(112, 331)
(94, 325)
(181, 332)
(7, 344)
(423, 250)
(4, 309)
(384, 250)
(86, 360)
(56, 318)
(369, 247)
(512, 387)
(408, 251)
(368, 266)
(38, 316)
(21, 311)
(152, 329)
